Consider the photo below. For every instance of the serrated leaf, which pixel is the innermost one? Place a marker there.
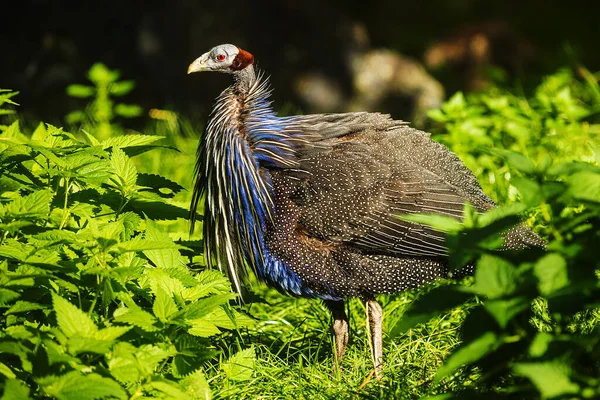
(122, 363)
(140, 318)
(15, 389)
(240, 366)
(130, 140)
(468, 353)
(74, 386)
(40, 133)
(125, 171)
(24, 306)
(165, 257)
(72, 320)
(7, 295)
(552, 379)
(551, 272)
(95, 173)
(195, 385)
(164, 306)
(111, 332)
(34, 205)
(202, 307)
(202, 328)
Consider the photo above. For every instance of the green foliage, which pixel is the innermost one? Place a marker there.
(535, 332)
(551, 126)
(96, 300)
(5, 98)
(101, 112)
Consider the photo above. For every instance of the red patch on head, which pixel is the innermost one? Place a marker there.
(242, 60)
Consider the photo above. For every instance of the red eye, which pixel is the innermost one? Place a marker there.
(221, 57)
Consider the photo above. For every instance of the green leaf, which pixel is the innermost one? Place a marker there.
(441, 223)
(124, 170)
(74, 386)
(516, 160)
(24, 306)
(468, 353)
(552, 379)
(196, 386)
(494, 277)
(530, 191)
(101, 75)
(169, 390)
(82, 91)
(122, 363)
(136, 317)
(165, 257)
(202, 307)
(540, 344)
(121, 88)
(130, 141)
(240, 366)
(164, 305)
(202, 328)
(128, 110)
(34, 205)
(7, 295)
(71, 320)
(504, 310)
(129, 364)
(428, 306)
(585, 186)
(552, 274)
(15, 389)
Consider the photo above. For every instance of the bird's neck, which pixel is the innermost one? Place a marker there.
(244, 80)
(243, 140)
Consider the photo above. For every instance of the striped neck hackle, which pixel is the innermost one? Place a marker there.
(242, 136)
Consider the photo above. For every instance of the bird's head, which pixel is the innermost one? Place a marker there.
(223, 58)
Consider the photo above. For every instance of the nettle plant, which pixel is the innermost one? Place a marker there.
(101, 112)
(534, 329)
(96, 301)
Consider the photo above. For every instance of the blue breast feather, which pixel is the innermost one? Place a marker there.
(267, 134)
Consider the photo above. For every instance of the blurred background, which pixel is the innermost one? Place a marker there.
(401, 57)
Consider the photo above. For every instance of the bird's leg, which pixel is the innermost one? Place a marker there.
(340, 329)
(375, 317)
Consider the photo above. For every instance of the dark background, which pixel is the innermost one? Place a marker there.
(46, 45)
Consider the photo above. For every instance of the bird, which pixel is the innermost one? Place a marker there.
(313, 204)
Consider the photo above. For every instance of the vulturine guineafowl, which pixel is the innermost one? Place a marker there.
(312, 203)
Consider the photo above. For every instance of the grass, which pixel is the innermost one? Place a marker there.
(294, 348)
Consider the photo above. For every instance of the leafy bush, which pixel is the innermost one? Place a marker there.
(97, 301)
(534, 333)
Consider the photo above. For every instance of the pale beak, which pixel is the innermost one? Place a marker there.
(199, 64)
